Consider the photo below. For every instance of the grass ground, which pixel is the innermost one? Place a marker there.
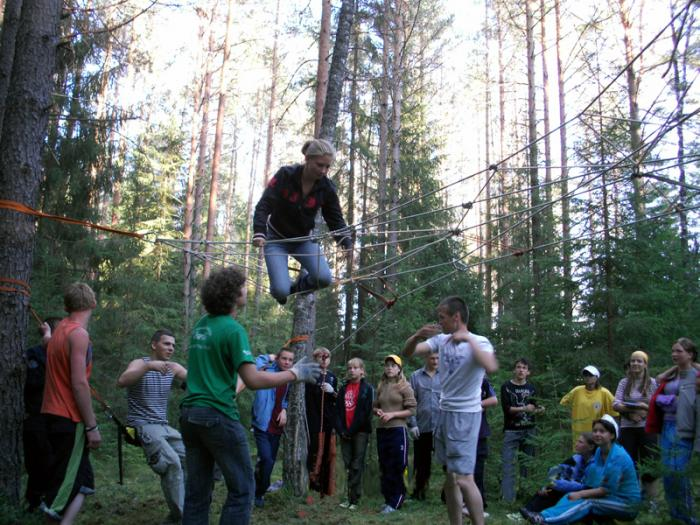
(139, 500)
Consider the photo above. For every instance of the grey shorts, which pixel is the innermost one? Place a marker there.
(455, 439)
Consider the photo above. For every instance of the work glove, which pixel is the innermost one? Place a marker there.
(327, 388)
(413, 433)
(306, 370)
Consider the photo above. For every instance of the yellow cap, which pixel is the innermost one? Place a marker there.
(396, 359)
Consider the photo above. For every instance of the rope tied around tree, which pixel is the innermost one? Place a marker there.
(23, 208)
(18, 286)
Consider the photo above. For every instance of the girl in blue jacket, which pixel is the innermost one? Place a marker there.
(612, 480)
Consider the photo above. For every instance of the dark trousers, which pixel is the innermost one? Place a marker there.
(392, 449)
(539, 501)
(640, 446)
(422, 458)
(482, 452)
(37, 453)
(267, 444)
(354, 449)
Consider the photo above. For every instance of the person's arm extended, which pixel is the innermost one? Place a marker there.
(412, 344)
(306, 370)
(258, 379)
(598, 492)
(78, 342)
(485, 359)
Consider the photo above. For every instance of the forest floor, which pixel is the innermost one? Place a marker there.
(140, 501)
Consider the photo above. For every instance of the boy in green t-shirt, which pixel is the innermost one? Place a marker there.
(211, 429)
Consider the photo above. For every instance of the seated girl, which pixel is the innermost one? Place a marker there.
(612, 480)
(565, 477)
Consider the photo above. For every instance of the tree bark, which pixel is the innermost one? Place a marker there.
(10, 25)
(535, 220)
(218, 143)
(201, 85)
(564, 161)
(324, 47)
(21, 142)
(633, 81)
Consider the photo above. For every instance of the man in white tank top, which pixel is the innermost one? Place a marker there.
(148, 381)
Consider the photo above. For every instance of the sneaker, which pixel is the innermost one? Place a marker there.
(345, 505)
(297, 282)
(532, 517)
(259, 502)
(276, 486)
(388, 509)
(352, 506)
(514, 516)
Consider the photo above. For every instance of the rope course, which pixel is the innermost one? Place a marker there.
(633, 165)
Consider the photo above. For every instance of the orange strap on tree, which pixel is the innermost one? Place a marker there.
(23, 208)
(18, 286)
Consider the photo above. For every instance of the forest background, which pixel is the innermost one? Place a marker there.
(538, 158)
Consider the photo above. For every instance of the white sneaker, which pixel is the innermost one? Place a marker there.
(388, 509)
(352, 506)
(345, 505)
(513, 516)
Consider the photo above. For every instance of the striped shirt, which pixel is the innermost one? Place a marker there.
(148, 398)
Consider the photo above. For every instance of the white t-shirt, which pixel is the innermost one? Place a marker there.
(460, 375)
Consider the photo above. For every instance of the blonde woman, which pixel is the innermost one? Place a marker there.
(632, 402)
(285, 215)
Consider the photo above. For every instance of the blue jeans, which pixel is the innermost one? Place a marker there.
(308, 254)
(675, 456)
(514, 441)
(211, 437)
(268, 444)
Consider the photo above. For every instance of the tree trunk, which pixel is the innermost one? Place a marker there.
(296, 446)
(680, 90)
(10, 25)
(218, 143)
(193, 172)
(488, 229)
(324, 47)
(564, 161)
(269, 142)
(535, 220)
(396, 82)
(633, 81)
(350, 215)
(21, 143)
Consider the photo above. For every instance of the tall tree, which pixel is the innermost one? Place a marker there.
(23, 134)
(218, 141)
(324, 47)
(295, 450)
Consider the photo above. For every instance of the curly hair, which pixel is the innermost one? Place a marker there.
(221, 290)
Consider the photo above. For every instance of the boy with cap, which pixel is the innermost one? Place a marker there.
(588, 402)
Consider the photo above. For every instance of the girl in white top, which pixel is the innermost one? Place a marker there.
(632, 402)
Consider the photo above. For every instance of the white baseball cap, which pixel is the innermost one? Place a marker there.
(592, 370)
(611, 420)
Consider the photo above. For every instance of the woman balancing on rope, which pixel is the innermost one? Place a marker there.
(284, 218)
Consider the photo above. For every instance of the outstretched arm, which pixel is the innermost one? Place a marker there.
(413, 344)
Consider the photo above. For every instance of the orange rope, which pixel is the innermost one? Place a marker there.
(297, 339)
(21, 287)
(22, 208)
